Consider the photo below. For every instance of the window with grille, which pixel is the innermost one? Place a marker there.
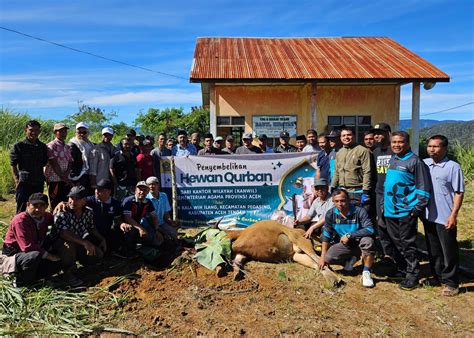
(359, 123)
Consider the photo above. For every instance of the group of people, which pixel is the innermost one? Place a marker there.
(106, 198)
(379, 192)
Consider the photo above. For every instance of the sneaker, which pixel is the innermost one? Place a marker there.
(449, 291)
(350, 264)
(367, 280)
(408, 284)
(71, 280)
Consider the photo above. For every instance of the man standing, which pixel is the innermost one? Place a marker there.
(229, 145)
(158, 152)
(334, 138)
(406, 194)
(209, 148)
(78, 237)
(312, 139)
(300, 142)
(353, 169)
(145, 161)
(132, 136)
(183, 148)
(320, 206)
(351, 229)
(100, 158)
(263, 144)
(382, 154)
(26, 239)
(81, 149)
(369, 140)
(322, 162)
(59, 166)
(441, 215)
(247, 147)
(219, 143)
(123, 171)
(27, 159)
(285, 146)
(196, 140)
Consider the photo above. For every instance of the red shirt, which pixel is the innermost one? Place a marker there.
(145, 164)
(25, 234)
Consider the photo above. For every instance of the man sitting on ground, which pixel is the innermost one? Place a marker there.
(141, 219)
(162, 208)
(78, 237)
(350, 229)
(317, 212)
(26, 240)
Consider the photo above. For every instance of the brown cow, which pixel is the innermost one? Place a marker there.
(269, 241)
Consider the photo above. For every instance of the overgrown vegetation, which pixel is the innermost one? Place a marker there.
(50, 311)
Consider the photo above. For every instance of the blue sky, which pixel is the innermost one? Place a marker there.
(48, 81)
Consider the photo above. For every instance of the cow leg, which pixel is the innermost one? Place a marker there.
(300, 257)
(238, 265)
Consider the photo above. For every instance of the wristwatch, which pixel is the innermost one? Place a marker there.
(348, 235)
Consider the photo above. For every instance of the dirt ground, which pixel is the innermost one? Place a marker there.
(278, 299)
(273, 299)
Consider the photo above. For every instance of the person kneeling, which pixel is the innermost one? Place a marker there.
(78, 237)
(350, 230)
(140, 217)
(26, 241)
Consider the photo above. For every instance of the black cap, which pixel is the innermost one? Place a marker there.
(78, 192)
(263, 137)
(105, 184)
(38, 198)
(131, 132)
(208, 135)
(182, 132)
(300, 138)
(284, 134)
(381, 127)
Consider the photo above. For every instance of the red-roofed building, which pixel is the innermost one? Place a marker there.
(261, 85)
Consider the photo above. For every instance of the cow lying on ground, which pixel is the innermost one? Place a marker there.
(269, 241)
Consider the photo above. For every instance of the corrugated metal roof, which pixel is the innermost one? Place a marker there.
(322, 59)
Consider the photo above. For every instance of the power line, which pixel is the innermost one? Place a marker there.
(442, 111)
(91, 54)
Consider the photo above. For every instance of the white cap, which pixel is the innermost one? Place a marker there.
(218, 138)
(107, 130)
(81, 125)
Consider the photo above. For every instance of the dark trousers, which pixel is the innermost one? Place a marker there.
(355, 199)
(23, 192)
(57, 192)
(402, 232)
(69, 252)
(339, 253)
(31, 267)
(443, 251)
(382, 231)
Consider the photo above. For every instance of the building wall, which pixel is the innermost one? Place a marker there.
(379, 101)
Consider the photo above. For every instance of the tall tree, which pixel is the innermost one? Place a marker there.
(95, 117)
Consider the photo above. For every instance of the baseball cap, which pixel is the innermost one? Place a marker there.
(141, 184)
(321, 182)
(105, 184)
(284, 134)
(78, 192)
(152, 179)
(146, 142)
(247, 136)
(219, 138)
(107, 130)
(229, 138)
(263, 137)
(208, 135)
(382, 127)
(82, 125)
(59, 126)
(131, 132)
(38, 198)
(182, 132)
(333, 134)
